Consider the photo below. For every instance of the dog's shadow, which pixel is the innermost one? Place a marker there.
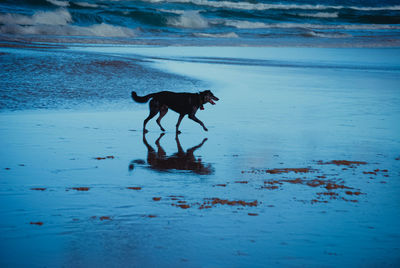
(181, 160)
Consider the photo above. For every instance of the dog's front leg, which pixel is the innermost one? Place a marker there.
(178, 123)
(195, 119)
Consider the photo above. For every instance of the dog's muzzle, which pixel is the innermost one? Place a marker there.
(213, 98)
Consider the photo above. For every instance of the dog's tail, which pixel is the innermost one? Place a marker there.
(139, 99)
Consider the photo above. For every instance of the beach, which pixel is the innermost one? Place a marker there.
(300, 166)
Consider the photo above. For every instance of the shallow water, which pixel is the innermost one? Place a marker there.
(261, 189)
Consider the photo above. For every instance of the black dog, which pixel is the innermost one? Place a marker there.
(182, 103)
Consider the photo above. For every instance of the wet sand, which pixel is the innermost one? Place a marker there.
(300, 166)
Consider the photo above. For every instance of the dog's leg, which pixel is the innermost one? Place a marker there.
(163, 112)
(179, 122)
(195, 119)
(153, 111)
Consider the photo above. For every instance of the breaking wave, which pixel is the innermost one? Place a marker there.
(217, 35)
(189, 19)
(57, 22)
(319, 15)
(59, 3)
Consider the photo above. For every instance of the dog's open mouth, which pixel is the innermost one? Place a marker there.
(213, 99)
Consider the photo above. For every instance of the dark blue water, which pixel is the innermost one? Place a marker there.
(199, 22)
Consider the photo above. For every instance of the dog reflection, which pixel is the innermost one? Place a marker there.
(180, 160)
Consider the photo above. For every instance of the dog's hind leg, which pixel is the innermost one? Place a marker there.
(163, 112)
(154, 108)
(195, 119)
(178, 123)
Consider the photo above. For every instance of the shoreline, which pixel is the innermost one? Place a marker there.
(62, 42)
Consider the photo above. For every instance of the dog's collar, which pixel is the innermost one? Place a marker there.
(200, 102)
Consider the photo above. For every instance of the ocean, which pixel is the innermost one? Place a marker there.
(204, 22)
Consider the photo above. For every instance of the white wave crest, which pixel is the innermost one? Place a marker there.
(319, 15)
(86, 4)
(219, 35)
(262, 6)
(59, 3)
(58, 17)
(98, 30)
(189, 19)
(57, 23)
(173, 11)
(261, 25)
(107, 30)
(326, 35)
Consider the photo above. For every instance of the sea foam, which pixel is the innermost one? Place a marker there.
(57, 22)
(59, 3)
(189, 19)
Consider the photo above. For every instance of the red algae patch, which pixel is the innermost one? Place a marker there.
(134, 188)
(81, 188)
(36, 223)
(215, 201)
(287, 170)
(334, 186)
(156, 198)
(102, 218)
(242, 182)
(150, 216)
(342, 162)
(105, 157)
(328, 194)
(222, 185)
(38, 189)
(353, 193)
(318, 201)
(280, 170)
(252, 214)
(183, 206)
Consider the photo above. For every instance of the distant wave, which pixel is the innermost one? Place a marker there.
(262, 25)
(59, 3)
(217, 35)
(57, 23)
(319, 15)
(58, 17)
(326, 35)
(86, 4)
(188, 19)
(262, 6)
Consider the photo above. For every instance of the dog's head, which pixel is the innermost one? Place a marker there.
(208, 96)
